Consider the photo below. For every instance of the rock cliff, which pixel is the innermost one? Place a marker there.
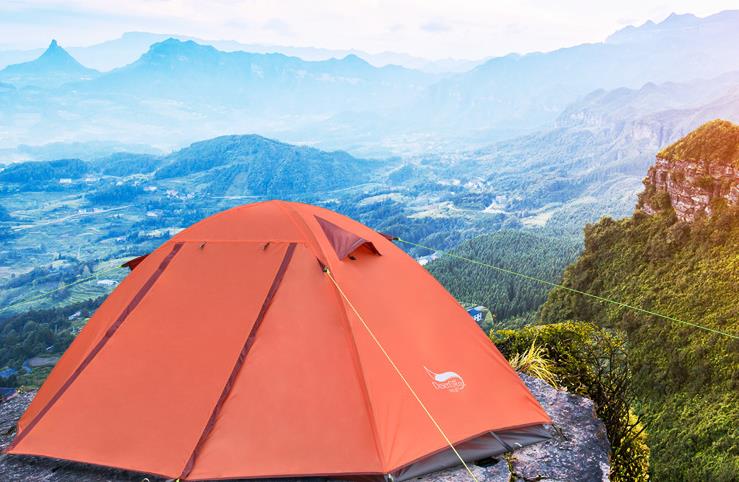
(577, 451)
(698, 173)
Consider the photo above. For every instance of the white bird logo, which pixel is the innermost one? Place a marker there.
(450, 381)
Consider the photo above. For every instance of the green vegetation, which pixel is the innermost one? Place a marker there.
(5, 232)
(713, 142)
(35, 172)
(127, 164)
(533, 362)
(592, 362)
(686, 379)
(33, 379)
(513, 300)
(234, 165)
(118, 194)
(39, 332)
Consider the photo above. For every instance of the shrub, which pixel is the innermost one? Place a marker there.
(534, 363)
(592, 362)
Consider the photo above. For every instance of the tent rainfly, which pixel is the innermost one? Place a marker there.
(280, 339)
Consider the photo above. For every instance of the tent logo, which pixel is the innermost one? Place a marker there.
(449, 381)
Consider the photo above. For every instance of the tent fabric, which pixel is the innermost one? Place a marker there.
(228, 353)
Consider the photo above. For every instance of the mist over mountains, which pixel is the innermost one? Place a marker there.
(530, 91)
(556, 137)
(179, 91)
(109, 150)
(130, 46)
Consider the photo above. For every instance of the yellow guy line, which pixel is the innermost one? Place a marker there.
(400, 374)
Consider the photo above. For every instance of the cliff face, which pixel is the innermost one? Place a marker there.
(684, 377)
(693, 188)
(697, 173)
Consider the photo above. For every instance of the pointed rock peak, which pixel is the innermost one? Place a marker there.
(52, 68)
(55, 51)
(175, 41)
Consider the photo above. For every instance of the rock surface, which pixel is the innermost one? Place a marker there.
(693, 187)
(577, 451)
(698, 171)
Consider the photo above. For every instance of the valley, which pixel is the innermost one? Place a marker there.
(540, 163)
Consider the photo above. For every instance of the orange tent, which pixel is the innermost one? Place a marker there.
(277, 340)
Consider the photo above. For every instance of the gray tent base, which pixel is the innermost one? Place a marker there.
(491, 444)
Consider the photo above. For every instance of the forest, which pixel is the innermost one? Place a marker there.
(685, 377)
(512, 300)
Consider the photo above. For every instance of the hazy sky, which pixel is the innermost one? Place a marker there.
(427, 28)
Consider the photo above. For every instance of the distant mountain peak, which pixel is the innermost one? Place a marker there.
(674, 18)
(55, 53)
(675, 22)
(52, 68)
(175, 43)
(353, 58)
(173, 47)
(172, 41)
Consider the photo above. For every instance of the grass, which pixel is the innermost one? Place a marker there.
(535, 363)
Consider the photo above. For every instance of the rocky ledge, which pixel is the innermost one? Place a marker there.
(577, 451)
(697, 172)
(693, 187)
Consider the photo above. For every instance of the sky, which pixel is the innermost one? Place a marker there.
(432, 29)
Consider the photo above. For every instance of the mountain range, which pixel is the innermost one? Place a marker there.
(529, 91)
(101, 165)
(179, 90)
(130, 46)
(272, 84)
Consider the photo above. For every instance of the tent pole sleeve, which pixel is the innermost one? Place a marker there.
(240, 360)
(100, 344)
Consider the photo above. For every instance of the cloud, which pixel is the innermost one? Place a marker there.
(436, 26)
(425, 28)
(278, 26)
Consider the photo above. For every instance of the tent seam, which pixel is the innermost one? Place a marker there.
(246, 347)
(109, 333)
(359, 369)
(350, 334)
(310, 239)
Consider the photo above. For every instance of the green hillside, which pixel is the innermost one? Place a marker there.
(687, 379)
(714, 142)
(513, 300)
